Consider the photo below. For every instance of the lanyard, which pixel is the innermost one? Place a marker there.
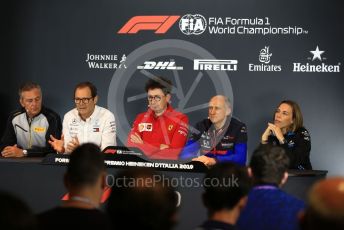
(266, 187)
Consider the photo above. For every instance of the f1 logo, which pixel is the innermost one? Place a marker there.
(160, 24)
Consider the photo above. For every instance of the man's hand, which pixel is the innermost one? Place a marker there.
(58, 145)
(208, 161)
(73, 144)
(12, 151)
(136, 138)
(163, 146)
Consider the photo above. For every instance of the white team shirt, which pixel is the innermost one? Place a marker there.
(99, 128)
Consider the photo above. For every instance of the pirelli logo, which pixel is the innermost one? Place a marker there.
(39, 129)
(160, 24)
(215, 64)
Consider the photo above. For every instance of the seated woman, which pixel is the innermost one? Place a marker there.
(288, 132)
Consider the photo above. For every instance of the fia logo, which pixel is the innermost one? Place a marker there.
(192, 24)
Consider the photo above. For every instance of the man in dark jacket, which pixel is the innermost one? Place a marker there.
(29, 128)
(219, 138)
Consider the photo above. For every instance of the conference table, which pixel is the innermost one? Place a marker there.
(39, 181)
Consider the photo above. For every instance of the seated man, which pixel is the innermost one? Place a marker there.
(219, 138)
(226, 187)
(268, 207)
(325, 208)
(85, 182)
(86, 123)
(161, 132)
(29, 128)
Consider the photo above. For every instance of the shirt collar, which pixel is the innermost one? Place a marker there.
(265, 186)
(92, 117)
(94, 114)
(168, 110)
(224, 127)
(31, 119)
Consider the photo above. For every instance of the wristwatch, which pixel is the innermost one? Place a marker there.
(25, 152)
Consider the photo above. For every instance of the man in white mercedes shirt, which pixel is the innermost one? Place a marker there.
(86, 123)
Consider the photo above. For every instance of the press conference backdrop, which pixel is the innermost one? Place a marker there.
(255, 52)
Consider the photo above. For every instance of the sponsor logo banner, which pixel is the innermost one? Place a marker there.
(215, 64)
(316, 68)
(160, 24)
(169, 65)
(264, 59)
(106, 61)
(197, 24)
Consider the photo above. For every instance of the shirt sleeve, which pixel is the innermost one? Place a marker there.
(9, 137)
(65, 130)
(192, 146)
(301, 150)
(152, 149)
(148, 149)
(109, 132)
(177, 143)
(134, 129)
(239, 154)
(55, 129)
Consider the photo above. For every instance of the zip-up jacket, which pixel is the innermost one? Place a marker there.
(32, 134)
(226, 144)
(297, 146)
(171, 128)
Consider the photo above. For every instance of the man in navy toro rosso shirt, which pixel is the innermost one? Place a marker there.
(220, 138)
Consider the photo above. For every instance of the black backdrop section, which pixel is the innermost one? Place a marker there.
(49, 42)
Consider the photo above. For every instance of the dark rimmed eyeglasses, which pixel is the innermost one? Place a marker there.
(84, 100)
(156, 98)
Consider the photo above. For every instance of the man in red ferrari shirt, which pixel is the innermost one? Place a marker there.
(161, 132)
